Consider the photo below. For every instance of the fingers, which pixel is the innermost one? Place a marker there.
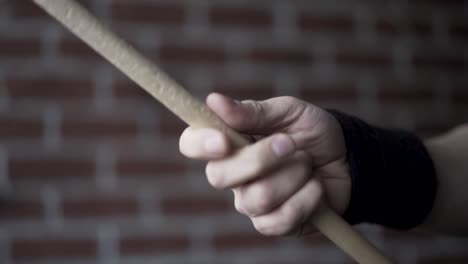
(289, 217)
(250, 162)
(203, 143)
(255, 117)
(265, 194)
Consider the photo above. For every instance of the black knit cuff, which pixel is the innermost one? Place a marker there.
(394, 182)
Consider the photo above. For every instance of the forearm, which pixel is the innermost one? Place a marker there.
(450, 155)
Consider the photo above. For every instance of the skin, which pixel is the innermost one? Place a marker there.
(278, 181)
(449, 153)
(298, 161)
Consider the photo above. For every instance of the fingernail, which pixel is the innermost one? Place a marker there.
(214, 144)
(282, 145)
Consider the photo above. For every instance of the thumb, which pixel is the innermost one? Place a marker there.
(255, 117)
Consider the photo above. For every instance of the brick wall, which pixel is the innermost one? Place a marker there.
(89, 164)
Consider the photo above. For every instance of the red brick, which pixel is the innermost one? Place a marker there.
(25, 9)
(316, 93)
(57, 169)
(153, 245)
(74, 47)
(151, 168)
(20, 209)
(195, 53)
(237, 241)
(280, 56)
(447, 62)
(171, 126)
(146, 12)
(19, 48)
(440, 3)
(53, 248)
(363, 58)
(445, 260)
(459, 30)
(100, 207)
(48, 88)
(99, 128)
(434, 129)
(460, 96)
(188, 205)
(313, 22)
(405, 93)
(20, 128)
(420, 28)
(128, 90)
(245, 90)
(398, 28)
(246, 17)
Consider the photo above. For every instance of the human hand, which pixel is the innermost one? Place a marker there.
(278, 181)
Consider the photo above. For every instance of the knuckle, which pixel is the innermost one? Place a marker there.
(289, 100)
(239, 208)
(286, 223)
(258, 107)
(259, 199)
(262, 228)
(291, 216)
(316, 190)
(257, 110)
(275, 227)
(264, 231)
(215, 178)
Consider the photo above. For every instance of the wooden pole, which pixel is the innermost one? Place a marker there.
(195, 113)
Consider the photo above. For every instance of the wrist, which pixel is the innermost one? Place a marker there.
(393, 177)
(337, 173)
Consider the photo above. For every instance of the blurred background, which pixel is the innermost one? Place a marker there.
(89, 164)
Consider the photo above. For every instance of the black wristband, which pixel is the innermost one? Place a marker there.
(394, 182)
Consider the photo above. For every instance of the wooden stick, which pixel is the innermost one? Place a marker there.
(195, 113)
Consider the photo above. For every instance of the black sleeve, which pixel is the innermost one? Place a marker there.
(394, 182)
